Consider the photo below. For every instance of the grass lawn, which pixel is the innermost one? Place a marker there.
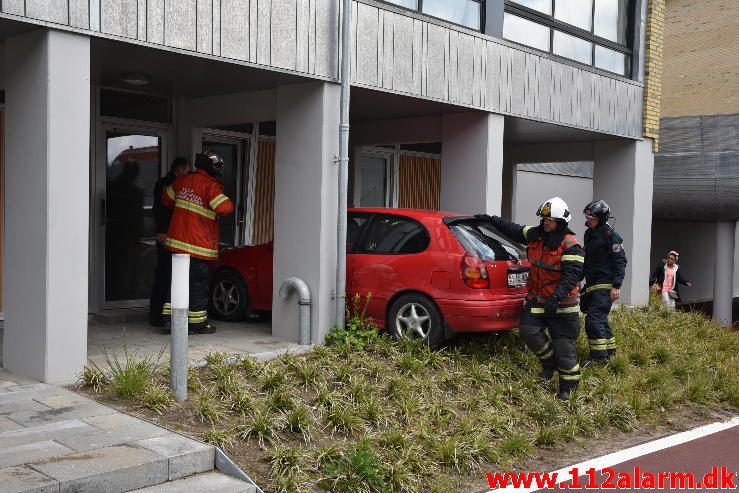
(372, 414)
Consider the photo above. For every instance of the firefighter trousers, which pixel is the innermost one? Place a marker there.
(197, 315)
(553, 339)
(597, 305)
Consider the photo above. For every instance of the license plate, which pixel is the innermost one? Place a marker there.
(517, 279)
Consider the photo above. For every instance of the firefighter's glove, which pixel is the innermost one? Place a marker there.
(550, 307)
(483, 217)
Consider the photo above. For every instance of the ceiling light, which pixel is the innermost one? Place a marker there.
(137, 80)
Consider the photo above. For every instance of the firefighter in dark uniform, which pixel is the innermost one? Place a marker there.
(605, 267)
(163, 269)
(549, 320)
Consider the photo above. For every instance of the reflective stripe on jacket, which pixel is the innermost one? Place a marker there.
(197, 199)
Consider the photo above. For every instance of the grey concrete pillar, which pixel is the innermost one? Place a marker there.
(472, 163)
(47, 192)
(306, 187)
(723, 273)
(623, 177)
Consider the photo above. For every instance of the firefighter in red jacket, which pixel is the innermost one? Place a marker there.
(197, 199)
(549, 320)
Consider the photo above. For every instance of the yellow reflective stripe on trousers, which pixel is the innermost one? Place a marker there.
(611, 344)
(170, 192)
(218, 200)
(567, 309)
(573, 258)
(167, 309)
(571, 374)
(598, 344)
(191, 206)
(598, 286)
(194, 249)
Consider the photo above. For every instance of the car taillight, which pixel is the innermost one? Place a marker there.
(474, 274)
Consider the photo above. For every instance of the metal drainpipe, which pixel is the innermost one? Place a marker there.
(343, 163)
(301, 288)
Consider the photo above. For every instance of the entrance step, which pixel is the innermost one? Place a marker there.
(121, 315)
(212, 482)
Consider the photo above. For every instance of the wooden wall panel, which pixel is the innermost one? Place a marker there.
(419, 184)
(264, 200)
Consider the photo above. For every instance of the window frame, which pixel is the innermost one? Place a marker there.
(419, 10)
(511, 7)
(381, 215)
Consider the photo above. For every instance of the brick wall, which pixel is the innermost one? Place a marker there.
(701, 58)
(653, 69)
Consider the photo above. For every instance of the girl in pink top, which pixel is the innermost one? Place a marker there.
(666, 279)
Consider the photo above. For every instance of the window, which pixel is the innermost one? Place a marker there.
(467, 13)
(394, 235)
(592, 32)
(354, 226)
(485, 242)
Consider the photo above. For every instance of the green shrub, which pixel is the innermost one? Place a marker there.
(359, 331)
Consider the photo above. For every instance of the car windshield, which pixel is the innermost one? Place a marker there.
(484, 241)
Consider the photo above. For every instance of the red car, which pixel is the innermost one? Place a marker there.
(430, 274)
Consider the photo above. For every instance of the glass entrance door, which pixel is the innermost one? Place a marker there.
(133, 166)
(374, 183)
(233, 151)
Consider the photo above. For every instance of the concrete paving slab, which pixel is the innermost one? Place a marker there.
(111, 469)
(96, 438)
(213, 482)
(108, 421)
(50, 415)
(22, 479)
(66, 399)
(186, 456)
(31, 452)
(50, 431)
(27, 394)
(28, 405)
(8, 425)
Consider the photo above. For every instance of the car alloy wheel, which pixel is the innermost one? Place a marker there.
(413, 320)
(226, 297)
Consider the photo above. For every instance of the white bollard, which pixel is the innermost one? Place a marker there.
(178, 360)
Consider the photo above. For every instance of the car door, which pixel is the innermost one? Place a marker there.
(356, 227)
(380, 260)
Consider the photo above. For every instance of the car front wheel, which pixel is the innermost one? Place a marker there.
(229, 299)
(416, 316)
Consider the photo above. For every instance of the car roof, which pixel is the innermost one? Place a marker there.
(414, 213)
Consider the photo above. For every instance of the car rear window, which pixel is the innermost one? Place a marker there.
(484, 241)
(391, 234)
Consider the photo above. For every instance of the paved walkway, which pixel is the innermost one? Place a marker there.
(140, 337)
(53, 440)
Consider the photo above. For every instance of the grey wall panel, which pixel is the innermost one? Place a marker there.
(154, 21)
(327, 37)
(205, 26)
(492, 77)
(517, 82)
(48, 10)
(15, 7)
(180, 24)
(141, 20)
(452, 67)
(403, 45)
(388, 49)
(119, 17)
(263, 35)
(418, 47)
(79, 13)
(380, 42)
(302, 37)
(367, 36)
(234, 20)
(465, 68)
(217, 9)
(437, 42)
(283, 34)
(478, 71)
(253, 29)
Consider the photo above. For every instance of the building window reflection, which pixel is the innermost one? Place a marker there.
(467, 13)
(592, 32)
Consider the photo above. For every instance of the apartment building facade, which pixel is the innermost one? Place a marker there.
(447, 98)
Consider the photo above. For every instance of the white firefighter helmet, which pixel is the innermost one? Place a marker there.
(555, 208)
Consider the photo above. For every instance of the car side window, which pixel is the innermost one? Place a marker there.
(354, 226)
(395, 235)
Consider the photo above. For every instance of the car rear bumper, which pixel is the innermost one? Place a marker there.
(482, 316)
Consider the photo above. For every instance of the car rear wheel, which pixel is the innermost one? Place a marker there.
(229, 299)
(416, 316)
